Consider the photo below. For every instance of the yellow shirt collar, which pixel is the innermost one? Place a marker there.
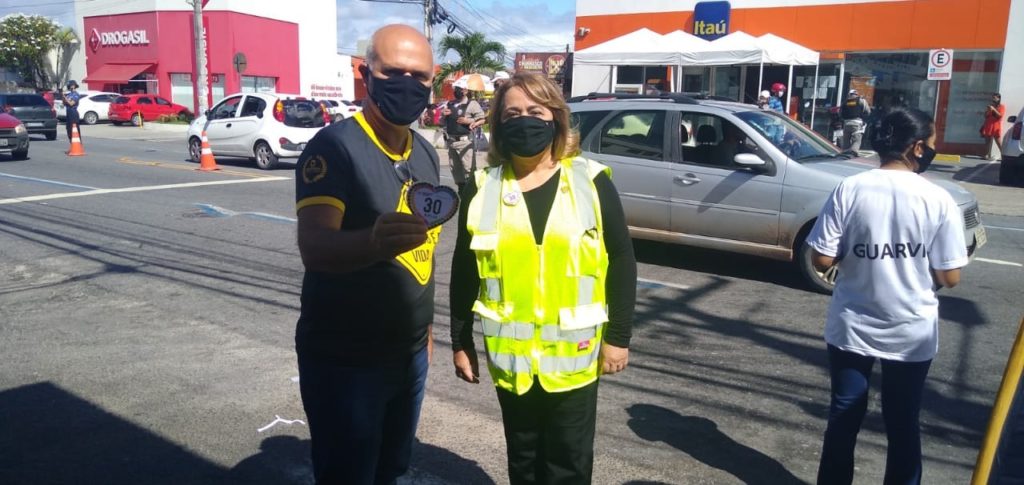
(373, 136)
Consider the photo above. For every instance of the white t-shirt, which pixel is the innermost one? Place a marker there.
(889, 228)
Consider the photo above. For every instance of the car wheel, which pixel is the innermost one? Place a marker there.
(90, 118)
(265, 158)
(136, 120)
(51, 135)
(821, 282)
(20, 154)
(195, 149)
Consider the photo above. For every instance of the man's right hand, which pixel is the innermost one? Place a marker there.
(467, 367)
(395, 233)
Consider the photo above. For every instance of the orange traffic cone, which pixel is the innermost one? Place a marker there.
(77, 150)
(206, 160)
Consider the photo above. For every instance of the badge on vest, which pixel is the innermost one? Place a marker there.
(584, 345)
(510, 198)
(435, 204)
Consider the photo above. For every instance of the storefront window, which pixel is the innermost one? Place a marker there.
(258, 84)
(642, 79)
(727, 82)
(181, 89)
(975, 79)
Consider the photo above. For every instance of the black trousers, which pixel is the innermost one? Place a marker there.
(72, 118)
(550, 435)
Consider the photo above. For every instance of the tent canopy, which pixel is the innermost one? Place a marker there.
(646, 47)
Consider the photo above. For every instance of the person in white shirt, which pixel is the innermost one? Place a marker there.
(899, 238)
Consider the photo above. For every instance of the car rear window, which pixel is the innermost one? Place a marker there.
(25, 100)
(122, 100)
(301, 113)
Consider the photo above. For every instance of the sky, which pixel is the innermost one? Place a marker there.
(525, 25)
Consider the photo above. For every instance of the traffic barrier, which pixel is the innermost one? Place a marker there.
(1002, 449)
(206, 161)
(76, 150)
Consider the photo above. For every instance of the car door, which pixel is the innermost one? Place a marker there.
(219, 125)
(246, 127)
(144, 105)
(712, 195)
(164, 107)
(101, 104)
(633, 144)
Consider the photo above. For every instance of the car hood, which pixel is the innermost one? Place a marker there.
(846, 168)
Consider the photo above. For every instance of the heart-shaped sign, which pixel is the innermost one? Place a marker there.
(435, 204)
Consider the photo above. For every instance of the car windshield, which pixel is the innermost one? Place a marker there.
(790, 137)
(26, 100)
(302, 113)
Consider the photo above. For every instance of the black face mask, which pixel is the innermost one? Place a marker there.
(925, 160)
(401, 99)
(527, 136)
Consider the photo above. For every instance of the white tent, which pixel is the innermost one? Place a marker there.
(781, 51)
(735, 48)
(641, 47)
(685, 44)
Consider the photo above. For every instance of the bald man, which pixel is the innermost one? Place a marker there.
(363, 337)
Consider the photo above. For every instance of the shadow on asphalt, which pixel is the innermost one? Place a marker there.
(712, 262)
(981, 174)
(700, 438)
(242, 162)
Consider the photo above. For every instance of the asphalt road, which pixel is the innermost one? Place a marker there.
(147, 313)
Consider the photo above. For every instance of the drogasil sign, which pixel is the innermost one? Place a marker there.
(117, 38)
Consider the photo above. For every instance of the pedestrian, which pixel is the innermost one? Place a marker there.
(71, 99)
(363, 337)
(775, 101)
(462, 115)
(500, 78)
(899, 237)
(763, 100)
(992, 129)
(542, 251)
(854, 111)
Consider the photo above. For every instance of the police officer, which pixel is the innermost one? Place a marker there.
(363, 336)
(70, 99)
(854, 111)
(461, 116)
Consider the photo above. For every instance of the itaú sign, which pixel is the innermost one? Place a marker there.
(118, 38)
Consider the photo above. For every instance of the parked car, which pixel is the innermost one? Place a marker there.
(136, 108)
(725, 175)
(93, 107)
(340, 109)
(33, 111)
(1011, 167)
(13, 137)
(260, 126)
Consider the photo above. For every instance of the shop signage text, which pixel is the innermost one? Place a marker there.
(711, 19)
(118, 38)
(549, 63)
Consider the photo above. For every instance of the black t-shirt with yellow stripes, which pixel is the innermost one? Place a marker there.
(378, 314)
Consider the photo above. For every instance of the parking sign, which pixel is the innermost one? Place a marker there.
(940, 64)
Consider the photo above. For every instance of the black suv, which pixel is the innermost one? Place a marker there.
(33, 110)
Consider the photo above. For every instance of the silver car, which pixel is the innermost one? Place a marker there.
(724, 175)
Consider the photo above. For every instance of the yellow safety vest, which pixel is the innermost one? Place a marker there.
(542, 306)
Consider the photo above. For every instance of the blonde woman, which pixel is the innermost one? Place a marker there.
(544, 258)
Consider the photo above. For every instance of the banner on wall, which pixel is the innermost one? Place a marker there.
(550, 64)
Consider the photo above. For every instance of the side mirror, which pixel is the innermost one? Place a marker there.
(749, 160)
(259, 114)
(206, 113)
(1012, 119)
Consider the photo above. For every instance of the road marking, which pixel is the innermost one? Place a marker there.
(279, 419)
(215, 211)
(178, 166)
(984, 167)
(1004, 228)
(145, 188)
(999, 261)
(46, 181)
(646, 283)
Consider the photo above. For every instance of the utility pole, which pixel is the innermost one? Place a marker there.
(428, 31)
(199, 41)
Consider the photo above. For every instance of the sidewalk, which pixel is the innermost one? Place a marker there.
(148, 132)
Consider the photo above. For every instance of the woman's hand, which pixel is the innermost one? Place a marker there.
(466, 366)
(613, 359)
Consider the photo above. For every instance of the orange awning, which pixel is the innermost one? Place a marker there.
(116, 73)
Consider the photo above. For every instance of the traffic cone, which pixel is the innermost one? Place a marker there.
(206, 161)
(77, 150)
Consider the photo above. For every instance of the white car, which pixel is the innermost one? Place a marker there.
(340, 109)
(259, 126)
(1011, 167)
(92, 107)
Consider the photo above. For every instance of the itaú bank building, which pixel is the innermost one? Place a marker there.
(146, 46)
(885, 49)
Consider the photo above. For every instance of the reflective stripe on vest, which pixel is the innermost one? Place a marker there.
(524, 331)
(516, 363)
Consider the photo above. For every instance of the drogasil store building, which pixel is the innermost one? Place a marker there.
(883, 48)
(146, 46)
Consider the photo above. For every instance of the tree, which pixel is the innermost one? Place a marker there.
(25, 41)
(66, 42)
(475, 52)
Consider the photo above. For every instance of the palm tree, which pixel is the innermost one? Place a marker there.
(65, 44)
(476, 54)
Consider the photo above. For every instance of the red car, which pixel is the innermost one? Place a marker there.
(13, 136)
(136, 108)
